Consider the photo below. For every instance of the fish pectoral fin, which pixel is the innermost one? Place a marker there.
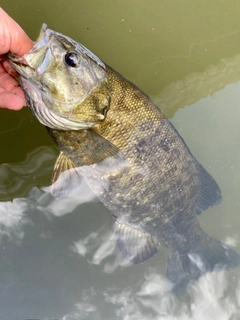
(134, 245)
(97, 149)
(66, 177)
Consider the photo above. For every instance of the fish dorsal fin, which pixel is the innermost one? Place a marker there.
(66, 177)
(134, 245)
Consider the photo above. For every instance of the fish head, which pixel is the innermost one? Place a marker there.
(57, 75)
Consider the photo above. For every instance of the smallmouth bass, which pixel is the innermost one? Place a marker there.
(113, 136)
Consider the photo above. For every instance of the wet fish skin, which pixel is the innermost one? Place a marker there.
(136, 163)
(166, 177)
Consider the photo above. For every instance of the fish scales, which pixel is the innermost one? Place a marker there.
(112, 135)
(166, 156)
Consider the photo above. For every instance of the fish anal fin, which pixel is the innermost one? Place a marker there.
(135, 246)
(66, 177)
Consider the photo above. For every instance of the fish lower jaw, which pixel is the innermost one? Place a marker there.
(24, 70)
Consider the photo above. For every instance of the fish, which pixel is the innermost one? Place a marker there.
(114, 137)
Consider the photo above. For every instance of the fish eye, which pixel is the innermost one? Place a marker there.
(72, 59)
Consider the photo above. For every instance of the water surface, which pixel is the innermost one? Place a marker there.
(58, 258)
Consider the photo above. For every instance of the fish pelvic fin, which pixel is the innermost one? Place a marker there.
(135, 246)
(209, 255)
(66, 177)
(210, 193)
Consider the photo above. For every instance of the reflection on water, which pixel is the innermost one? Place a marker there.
(152, 301)
(44, 258)
(18, 178)
(58, 257)
(199, 85)
(12, 219)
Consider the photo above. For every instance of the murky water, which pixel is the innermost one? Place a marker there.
(58, 258)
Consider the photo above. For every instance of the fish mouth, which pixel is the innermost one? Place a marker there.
(51, 109)
(19, 65)
(36, 60)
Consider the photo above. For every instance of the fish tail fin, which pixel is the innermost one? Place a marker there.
(209, 255)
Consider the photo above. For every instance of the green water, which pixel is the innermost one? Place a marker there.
(58, 258)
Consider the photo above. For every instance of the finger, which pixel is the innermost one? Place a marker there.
(15, 90)
(9, 69)
(7, 82)
(12, 36)
(11, 101)
(19, 92)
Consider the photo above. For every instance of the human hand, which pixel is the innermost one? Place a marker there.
(15, 40)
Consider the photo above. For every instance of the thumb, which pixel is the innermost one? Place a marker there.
(12, 36)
